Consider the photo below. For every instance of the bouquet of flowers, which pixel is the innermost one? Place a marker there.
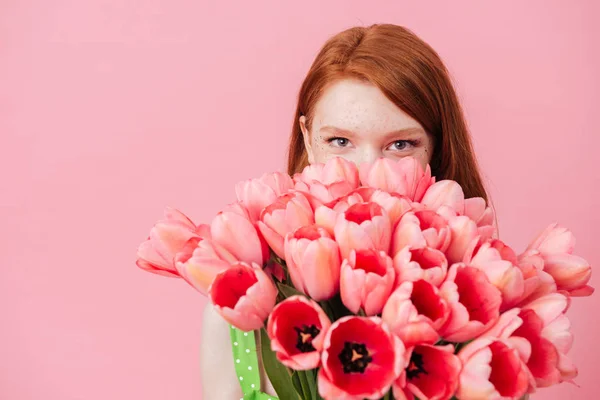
(377, 281)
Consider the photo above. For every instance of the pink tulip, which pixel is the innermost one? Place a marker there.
(361, 359)
(415, 312)
(395, 205)
(463, 232)
(329, 181)
(492, 369)
(547, 329)
(326, 215)
(503, 274)
(363, 226)
(243, 295)
(537, 281)
(445, 193)
(200, 262)
(297, 328)
(571, 273)
(366, 281)
(256, 194)
(313, 261)
(473, 300)
(412, 264)
(431, 374)
(288, 213)
(405, 177)
(421, 229)
(233, 230)
(166, 239)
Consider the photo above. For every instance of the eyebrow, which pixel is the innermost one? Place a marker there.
(410, 130)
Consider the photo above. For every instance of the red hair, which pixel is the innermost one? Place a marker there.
(412, 75)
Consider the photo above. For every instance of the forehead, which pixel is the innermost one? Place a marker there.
(359, 107)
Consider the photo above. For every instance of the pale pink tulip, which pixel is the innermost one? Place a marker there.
(395, 205)
(363, 226)
(256, 194)
(297, 328)
(462, 231)
(415, 312)
(537, 281)
(473, 300)
(243, 295)
(366, 281)
(492, 369)
(431, 374)
(288, 213)
(412, 264)
(445, 193)
(483, 215)
(233, 230)
(313, 261)
(405, 177)
(571, 273)
(421, 229)
(200, 262)
(166, 239)
(330, 181)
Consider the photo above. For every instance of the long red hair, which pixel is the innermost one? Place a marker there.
(412, 75)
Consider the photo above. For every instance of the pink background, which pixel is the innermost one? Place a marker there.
(111, 110)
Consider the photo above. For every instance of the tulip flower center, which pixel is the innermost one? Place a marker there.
(354, 357)
(305, 336)
(415, 368)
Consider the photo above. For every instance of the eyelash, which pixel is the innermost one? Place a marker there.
(413, 143)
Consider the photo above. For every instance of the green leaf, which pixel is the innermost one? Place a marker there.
(298, 384)
(278, 374)
(288, 291)
(312, 381)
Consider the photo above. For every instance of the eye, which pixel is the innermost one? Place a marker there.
(400, 145)
(338, 141)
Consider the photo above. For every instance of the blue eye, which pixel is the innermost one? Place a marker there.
(400, 145)
(338, 141)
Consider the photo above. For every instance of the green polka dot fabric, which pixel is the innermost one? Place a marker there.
(246, 364)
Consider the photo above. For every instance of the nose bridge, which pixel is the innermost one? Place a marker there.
(370, 153)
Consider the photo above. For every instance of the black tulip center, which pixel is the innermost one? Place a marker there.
(305, 336)
(415, 368)
(354, 357)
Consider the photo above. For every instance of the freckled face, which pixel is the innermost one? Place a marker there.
(355, 120)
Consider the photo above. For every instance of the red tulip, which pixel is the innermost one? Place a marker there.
(366, 281)
(415, 312)
(546, 328)
(243, 295)
(288, 213)
(360, 359)
(166, 239)
(412, 264)
(405, 177)
(492, 369)
(474, 302)
(297, 328)
(431, 374)
(571, 273)
(363, 226)
(421, 229)
(313, 261)
(327, 214)
(256, 194)
(503, 274)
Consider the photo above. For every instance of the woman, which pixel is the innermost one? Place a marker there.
(371, 92)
